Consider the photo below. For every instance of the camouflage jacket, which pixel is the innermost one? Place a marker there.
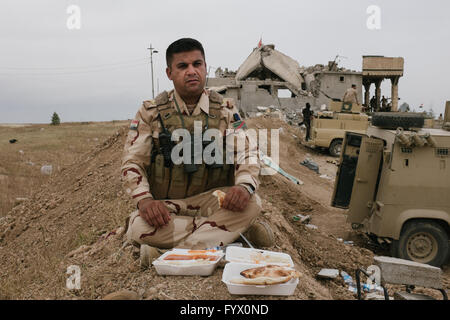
(145, 127)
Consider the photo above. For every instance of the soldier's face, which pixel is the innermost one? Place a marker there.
(188, 73)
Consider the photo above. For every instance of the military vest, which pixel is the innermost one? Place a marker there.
(174, 182)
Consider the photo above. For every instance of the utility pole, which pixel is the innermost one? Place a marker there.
(152, 51)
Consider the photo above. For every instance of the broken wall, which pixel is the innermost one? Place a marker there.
(334, 85)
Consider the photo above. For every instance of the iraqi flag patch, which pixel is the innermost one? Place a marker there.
(134, 125)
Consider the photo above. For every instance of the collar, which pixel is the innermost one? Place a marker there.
(203, 103)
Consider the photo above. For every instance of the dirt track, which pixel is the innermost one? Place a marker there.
(83, 208)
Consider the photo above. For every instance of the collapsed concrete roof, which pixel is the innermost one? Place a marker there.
(267, 58)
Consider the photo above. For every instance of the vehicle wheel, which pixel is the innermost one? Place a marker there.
(393, 120)
(422, 241)
(335, 148)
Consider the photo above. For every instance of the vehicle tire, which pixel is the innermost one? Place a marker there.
(422, 241)
(393, 120)
(335, 147)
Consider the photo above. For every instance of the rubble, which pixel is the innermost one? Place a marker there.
(47, 169)
(309, 163)
(400, 271)
(270, 77)
(303, 219)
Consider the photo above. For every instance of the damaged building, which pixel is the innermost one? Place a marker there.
(270, 78)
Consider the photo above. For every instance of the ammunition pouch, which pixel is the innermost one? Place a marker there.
(170, 181)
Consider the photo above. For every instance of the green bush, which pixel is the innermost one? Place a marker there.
(55, 119)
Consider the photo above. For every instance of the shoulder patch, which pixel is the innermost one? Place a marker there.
(162, 98)
(149, 104)
(215, 97)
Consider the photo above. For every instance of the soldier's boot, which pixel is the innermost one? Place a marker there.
(147, 255)
(260, 234)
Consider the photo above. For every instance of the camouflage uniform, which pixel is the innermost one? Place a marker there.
(196, 219)
(351, 96)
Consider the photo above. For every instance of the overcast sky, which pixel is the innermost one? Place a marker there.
(102, 71)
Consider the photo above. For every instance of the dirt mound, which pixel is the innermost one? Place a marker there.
(78, 218)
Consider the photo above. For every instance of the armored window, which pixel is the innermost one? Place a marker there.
(442, 152)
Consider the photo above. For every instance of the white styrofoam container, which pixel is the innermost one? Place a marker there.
(250, 256)
(233, 270)
(185, 268)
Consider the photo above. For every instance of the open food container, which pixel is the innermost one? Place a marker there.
(241, 259)
(258, 257)
(232, 270)
(185, 262)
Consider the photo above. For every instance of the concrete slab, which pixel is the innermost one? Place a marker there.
(400, 271)
(328, 273)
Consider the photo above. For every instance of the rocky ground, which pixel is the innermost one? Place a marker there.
(78, 218)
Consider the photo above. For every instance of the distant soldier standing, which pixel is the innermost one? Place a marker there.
(307, 113)
(175, 204)
(383, 104)
(350, 97)
(373, 104)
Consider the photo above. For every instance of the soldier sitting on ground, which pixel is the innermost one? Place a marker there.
(175, 202)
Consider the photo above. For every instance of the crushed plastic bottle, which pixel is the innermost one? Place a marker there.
(347, 278)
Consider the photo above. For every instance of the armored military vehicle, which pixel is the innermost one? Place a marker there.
(328, 127)
(395, 182)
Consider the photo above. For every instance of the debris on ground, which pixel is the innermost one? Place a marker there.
(333, 161)
(47, 169)
(328, 273)
(13, 141)
(303, 219)
(269, 162)
(311, 226)
(309, 163)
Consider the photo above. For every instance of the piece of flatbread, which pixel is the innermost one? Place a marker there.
(220, 196)
(266, 275)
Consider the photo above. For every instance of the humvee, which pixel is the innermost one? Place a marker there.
(328, 127)
(395, 182)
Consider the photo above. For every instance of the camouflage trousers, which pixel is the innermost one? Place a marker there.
(196, 222)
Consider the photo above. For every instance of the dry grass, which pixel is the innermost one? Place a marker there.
(43, 144)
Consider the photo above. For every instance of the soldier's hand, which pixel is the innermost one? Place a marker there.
(236, 199)
(154, 212)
